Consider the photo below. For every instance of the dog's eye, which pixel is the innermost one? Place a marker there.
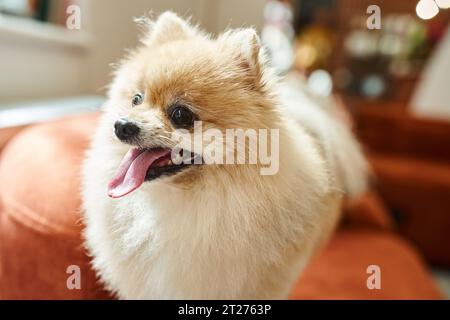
(181, 116)
(138, 98)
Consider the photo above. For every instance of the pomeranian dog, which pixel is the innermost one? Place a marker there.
(162, 225)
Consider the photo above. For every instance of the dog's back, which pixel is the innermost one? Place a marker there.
(324, 119)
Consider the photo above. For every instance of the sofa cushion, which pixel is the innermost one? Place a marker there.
(40, 229)
(417, 192)
(367, 210)
(340, 271)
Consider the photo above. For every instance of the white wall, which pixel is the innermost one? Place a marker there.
(234, 13)
(432, 95)
(38, 61)
(71, 63)
(110, 21)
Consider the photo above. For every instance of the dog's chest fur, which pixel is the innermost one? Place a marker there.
(224, 240)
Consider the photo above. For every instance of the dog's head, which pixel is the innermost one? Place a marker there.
(177, 79)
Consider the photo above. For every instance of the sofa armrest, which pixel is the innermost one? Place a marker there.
(390, 129)
(411, 162)
(416, 191)
(15, 117)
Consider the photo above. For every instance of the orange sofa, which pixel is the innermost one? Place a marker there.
(40, 230)
(411, 160)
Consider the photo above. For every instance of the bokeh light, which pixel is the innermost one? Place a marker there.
(426, 9)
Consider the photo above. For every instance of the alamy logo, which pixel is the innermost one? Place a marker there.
(73, 21)
(374, 20)
(232, 146)
(74, 280)
(374, 280)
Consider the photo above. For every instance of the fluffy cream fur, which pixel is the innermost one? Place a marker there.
(213, 232)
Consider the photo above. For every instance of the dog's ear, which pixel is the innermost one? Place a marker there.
(247, 44)
(168, 27)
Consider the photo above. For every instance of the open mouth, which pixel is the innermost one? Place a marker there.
(140, 165)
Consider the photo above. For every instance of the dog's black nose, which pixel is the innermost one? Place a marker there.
(126, 129)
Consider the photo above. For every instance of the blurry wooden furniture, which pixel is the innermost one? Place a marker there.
(411, 161)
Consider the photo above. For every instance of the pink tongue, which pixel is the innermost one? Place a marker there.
(132, 171)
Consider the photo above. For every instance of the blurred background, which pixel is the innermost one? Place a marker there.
(386, 62)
